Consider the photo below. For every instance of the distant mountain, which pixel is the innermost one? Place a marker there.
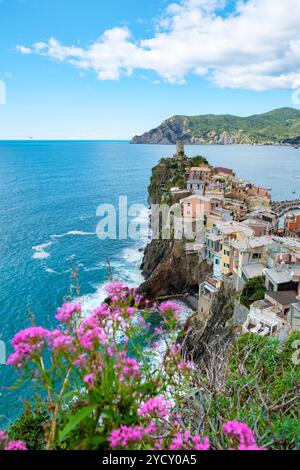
(281, 126)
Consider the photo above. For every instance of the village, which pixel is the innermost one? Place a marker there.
(245, 237)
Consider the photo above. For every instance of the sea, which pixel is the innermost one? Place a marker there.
(50, 193)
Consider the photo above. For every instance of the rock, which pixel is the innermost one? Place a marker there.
(202, 333)
(168, 270)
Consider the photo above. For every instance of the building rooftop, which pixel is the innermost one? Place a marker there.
(253, 270)
(214, 237)
(250, 243)
(193, 196)
(262, 223)
(261, 304)
(232, 227)
(285, 297)
(278, 277)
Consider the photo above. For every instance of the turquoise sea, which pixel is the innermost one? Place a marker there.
(49, 194)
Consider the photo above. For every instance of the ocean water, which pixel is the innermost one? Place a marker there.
(49, 194)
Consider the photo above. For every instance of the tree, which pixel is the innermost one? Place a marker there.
(254, 289)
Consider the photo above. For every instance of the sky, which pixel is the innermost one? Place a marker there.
(95, 69)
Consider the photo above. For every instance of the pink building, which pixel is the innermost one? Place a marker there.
(198, 206)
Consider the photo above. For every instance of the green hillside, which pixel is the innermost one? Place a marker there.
(277, 126)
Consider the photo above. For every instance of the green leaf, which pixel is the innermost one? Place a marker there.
(75, 420)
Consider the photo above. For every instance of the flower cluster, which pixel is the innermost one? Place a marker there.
(241, 433)
(170, 309)
(156, 406)
(68, 310)
(125, 436)
(184, 440)
(103, 367)
(6, 444)
(27, 344)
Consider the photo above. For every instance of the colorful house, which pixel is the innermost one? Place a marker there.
(292, 225)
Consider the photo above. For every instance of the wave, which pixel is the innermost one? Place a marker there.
(49, 270)
(73, 233)
(40, 251)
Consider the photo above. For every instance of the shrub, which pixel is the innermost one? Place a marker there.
(254, 289)
(31, 427)
(254, 380)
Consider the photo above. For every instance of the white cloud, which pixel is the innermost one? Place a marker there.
(256, 46)
(24, 50)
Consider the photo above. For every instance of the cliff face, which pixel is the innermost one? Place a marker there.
(168, 270)
(210, 333)
(278, 126)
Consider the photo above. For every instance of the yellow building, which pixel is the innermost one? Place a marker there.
(231, 232)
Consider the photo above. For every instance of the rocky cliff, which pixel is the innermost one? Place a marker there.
(280, 126)
(169, 270)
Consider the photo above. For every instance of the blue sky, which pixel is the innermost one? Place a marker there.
(115, 69)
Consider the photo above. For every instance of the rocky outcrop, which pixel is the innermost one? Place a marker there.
(206, 334)
(168, 270)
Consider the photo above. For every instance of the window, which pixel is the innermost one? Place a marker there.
(226, 265)
(217, 261)
(226, 253)
(256, 256)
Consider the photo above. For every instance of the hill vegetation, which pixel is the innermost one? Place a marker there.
(280, 126)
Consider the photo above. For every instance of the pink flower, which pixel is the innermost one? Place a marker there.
(170, 308)
(130, 368)
(27, 343)
(124, 435)
(184, 366)
(242, 433)
(92, 338)
(66, 312)
(81, 361)
(102, 312)
(200, 444)
(90, 380)
(114, 288)
(60, 342)
(177, 442)
(157, 406)
(16, 445)
(130, 311)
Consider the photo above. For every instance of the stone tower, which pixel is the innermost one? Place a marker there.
(180, 155)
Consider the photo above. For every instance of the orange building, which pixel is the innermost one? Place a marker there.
(292, 225)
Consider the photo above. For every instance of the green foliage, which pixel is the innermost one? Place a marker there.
(30, 427)
(197, 160)
(271, 382)
(260, 385)
(254, 290)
